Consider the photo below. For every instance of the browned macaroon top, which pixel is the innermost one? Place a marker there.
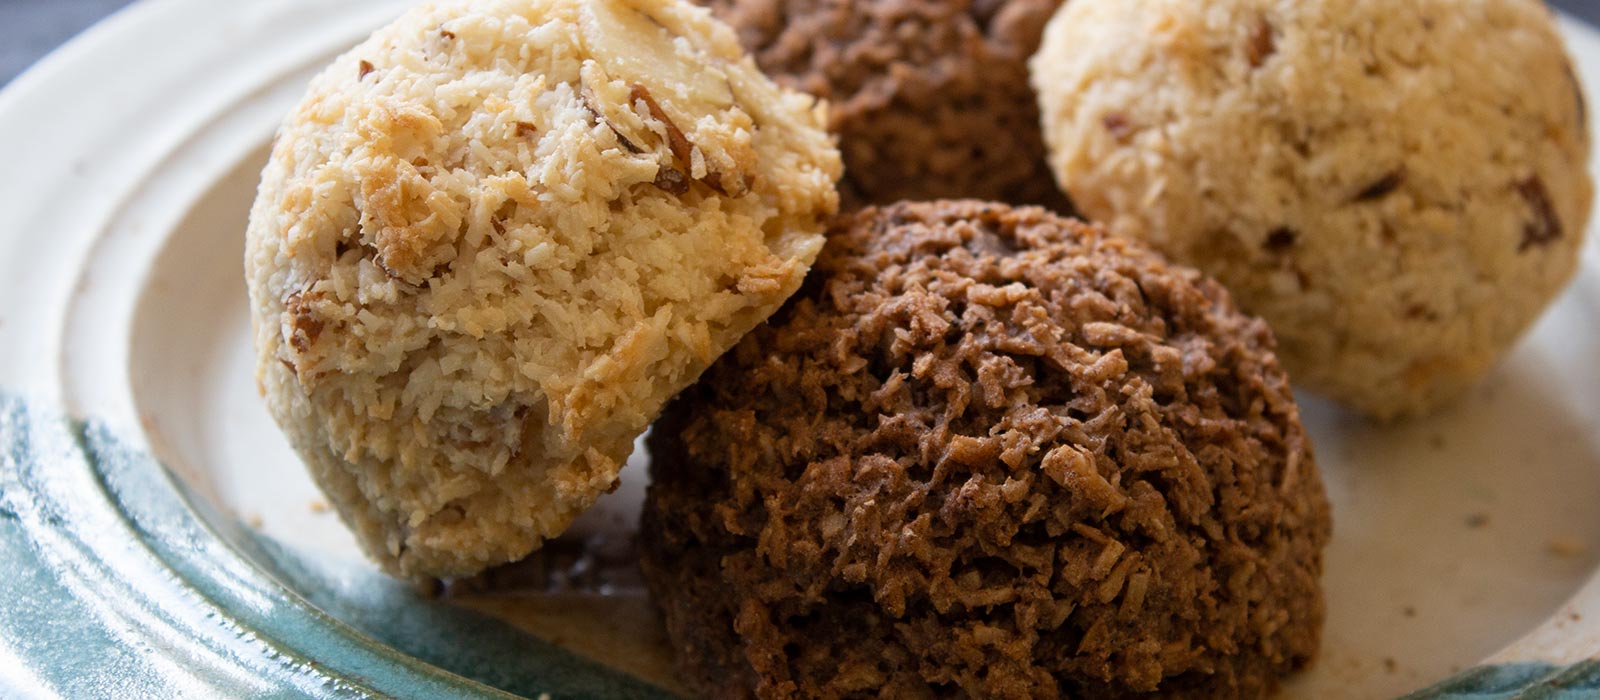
(992, 452)
(930, 98)
(493, 239)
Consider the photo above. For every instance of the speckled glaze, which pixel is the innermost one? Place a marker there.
(160, 539)
(1530, 681)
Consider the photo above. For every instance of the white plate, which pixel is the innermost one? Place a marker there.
(131, 158)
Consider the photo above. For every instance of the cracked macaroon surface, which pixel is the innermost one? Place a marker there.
(492, 241)
(1400, 189)
(989, 452)
(929, 98)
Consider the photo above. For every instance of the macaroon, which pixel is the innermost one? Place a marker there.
(989, 452)
(1400, 189)
(497, 236)
(929, 98)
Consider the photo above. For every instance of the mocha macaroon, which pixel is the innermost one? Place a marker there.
(929, 98)
(989, 452)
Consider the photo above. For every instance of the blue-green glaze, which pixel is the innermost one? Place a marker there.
(1520, 681)
(115, 587)
(118, 584)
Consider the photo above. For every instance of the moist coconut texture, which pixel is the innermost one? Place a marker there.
(497, 236)
(1399, 188)
(930, 97)
(989, 452)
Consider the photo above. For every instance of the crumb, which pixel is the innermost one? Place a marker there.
(1567, 546)
(429, 587)
(319, 507)
(1575, 617)
(1409, 611)
(1390, 665)
(254, 521)
(1478, 521)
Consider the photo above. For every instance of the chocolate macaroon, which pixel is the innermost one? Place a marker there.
(989, 452)
(930, 98)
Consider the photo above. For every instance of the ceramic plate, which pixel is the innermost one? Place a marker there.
(161, 539)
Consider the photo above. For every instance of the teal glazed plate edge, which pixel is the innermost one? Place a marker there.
(1532, 681)
(118, 589)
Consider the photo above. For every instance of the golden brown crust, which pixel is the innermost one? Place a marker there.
(474, 282)
(991, 452)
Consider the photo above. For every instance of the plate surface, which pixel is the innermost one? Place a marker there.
(1466, 545)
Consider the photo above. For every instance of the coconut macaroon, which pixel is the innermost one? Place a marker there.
(1399, 188)
(497, 236)
(992, 453)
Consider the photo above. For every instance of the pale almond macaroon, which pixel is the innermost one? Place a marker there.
(497, 236)
(1399, 188)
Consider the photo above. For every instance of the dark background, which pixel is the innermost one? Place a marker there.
(31, 28)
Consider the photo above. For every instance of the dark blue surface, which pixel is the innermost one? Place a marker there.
(31, 28)
(1587, 9)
